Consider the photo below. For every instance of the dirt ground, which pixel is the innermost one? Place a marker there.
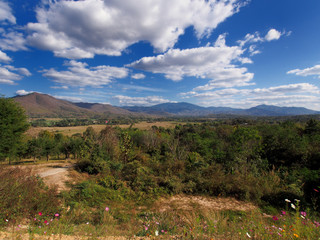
(53, 173)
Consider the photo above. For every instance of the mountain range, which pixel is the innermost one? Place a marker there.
(42, 105)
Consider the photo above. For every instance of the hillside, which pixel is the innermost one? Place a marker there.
(187, 109)
(42, 105)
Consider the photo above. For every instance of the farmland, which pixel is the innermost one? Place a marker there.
(69, 131)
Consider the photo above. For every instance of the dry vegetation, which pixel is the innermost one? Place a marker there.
(69, 131)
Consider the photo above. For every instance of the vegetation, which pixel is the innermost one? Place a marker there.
(13, 123)
(269, 164)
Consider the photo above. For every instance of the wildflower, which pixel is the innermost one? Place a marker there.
(315, 190)
(283, 213)
(297, 200)
(296, 235)
(317, 223)
(248, 235)
(293, 206)
(275, 218)
(45, 221)
(57, 215)
(146, 228)
(303, 214)
(107, 209)
(162, 231)
(7, 220)
(287, 200)
(157, 223)
(156, 233)
(40, 213)
(87, 223)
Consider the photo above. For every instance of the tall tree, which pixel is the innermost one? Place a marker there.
(13, 123)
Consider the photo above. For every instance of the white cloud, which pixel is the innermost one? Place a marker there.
(81, 29)
(139, 101)
(301, 94)
(255, 38)
(80, 75)
(71, 99)
(6, 13)
(12, 41)
(10, 74)
(140, 88)
(23, 92)
(60, 87)
(273, 34)
(4, 57)
(138, 76)
(211, 62)
(313, 71)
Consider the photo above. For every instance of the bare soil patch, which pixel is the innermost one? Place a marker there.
(191, 203)
(52, 173)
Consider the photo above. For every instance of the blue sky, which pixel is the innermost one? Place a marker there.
(233, 53)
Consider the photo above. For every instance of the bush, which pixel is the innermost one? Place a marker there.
(23, 195)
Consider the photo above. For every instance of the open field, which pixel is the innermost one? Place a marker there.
(69, 131)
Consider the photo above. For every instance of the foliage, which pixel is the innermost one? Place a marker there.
(24, 195)
(13, 123)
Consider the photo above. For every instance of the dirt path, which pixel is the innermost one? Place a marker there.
(53, 173)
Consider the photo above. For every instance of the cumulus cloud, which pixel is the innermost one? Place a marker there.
(81, 29)
(139, 101)
(12, 41)
(23, 92)
(255, 38)
(4, 57)
(10, 74)
(80, 75)
(138, 76)
(211, 62)
(273, 34)
(313, 71)
(301, 94)
(6, 13)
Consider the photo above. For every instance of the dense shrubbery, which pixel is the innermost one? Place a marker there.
(250, 161)
(23, 195)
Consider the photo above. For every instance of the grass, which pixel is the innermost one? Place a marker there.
(173, 225)
(31, 210)
(69, 131)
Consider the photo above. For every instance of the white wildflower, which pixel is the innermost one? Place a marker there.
(248, 235)
(293, 206)
(287, 200)
(156, 233)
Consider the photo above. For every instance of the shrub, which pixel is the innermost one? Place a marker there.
(23, 195)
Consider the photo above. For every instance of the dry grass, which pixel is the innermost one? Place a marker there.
(69, 131)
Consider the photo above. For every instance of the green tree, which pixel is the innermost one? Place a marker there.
(13, 123)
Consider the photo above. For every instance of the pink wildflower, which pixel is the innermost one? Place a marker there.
(40, 213)
(283, 212)
(57, 215)
(303, 214)
(275, 218)
(107, 209)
